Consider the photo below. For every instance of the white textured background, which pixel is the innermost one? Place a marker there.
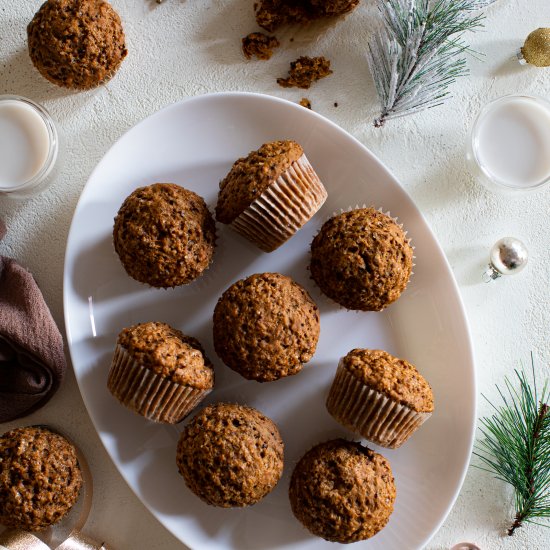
(183, 48)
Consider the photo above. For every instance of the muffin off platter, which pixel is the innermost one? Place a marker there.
(194, 144)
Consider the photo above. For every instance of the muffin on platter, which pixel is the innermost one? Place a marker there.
(361, 259)
(159, 372)
(164, 235)
(40, 478)
(266, 327)
(270, 194)
(77, 44)
(342, 491)
(230, 455)
(380, 397)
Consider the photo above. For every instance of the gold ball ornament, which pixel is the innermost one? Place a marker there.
(536, 50)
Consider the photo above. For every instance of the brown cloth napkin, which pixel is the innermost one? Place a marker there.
(32, 363)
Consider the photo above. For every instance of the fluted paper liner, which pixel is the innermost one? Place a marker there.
(371, 413)
(148, 393)
(283, 208)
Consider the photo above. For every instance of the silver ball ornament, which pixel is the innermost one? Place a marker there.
(508, 256)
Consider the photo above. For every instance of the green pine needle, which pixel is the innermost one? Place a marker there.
(515, 447)
(416, 52)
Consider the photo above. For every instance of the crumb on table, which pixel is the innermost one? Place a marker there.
(259, 45)
(305, 102)
(305, 71)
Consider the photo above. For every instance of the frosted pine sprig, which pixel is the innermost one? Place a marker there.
(415, 54)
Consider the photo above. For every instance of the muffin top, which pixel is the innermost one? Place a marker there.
(265, 327)
(272, 14)
(332, 8)
(250, 176)
(169, 353)
(394, 377)
(77, 44)
(164, 235)
(40, 478)
(342, 491)
(361, 259)
(230, 455)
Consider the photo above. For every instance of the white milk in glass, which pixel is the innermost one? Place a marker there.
(28, 145)
(511, 142)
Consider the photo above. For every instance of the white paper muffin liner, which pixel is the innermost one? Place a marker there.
(283, 208)
(371, 413)
(148, 393)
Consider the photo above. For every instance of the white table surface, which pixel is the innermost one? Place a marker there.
(184, 48)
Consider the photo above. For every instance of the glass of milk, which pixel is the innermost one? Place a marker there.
(509, 145)
(28, 146)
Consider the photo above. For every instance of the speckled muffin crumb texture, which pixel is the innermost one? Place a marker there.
(230, 455)
(361, 259)
(394, 377)
(342, 491)
(164, 235)
(169, 353)
(272, 14)
(76, 44)
(266, 327)
(40, 479)
(250, 176)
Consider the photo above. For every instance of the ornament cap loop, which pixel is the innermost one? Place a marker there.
(490, 274)
(521, 59)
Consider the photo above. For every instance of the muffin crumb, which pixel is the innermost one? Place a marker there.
(259, 45)
(305, 71)
(305, 102)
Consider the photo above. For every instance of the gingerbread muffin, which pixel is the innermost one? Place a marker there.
(342, 491)
(266, 327)
(76, 44)
(159, 372)
(40, 479)
(230, 455)
(273, 14)
(380, 397)
(362, 259)
(270, 194)
(164, 235)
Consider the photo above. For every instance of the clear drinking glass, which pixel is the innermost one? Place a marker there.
(24, 122)
(509, 144)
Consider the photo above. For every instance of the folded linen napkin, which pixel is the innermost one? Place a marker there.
(32, 363)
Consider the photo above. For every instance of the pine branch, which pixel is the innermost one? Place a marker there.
(415, 54)
(515, 447)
